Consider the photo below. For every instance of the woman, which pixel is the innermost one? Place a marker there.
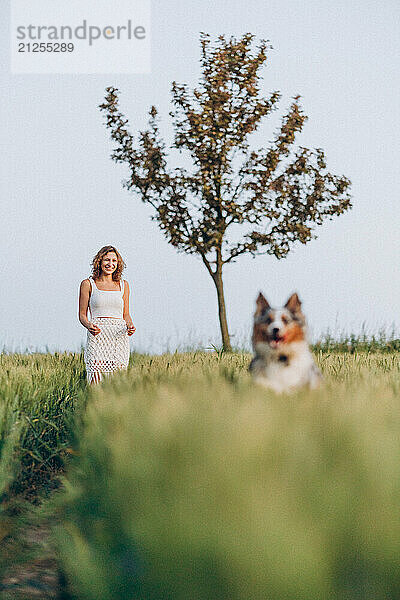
(106, 295)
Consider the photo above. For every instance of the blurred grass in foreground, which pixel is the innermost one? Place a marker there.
(38, 397)
(191, 484)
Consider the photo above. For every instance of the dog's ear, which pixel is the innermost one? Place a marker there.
(294, 304)
(262, 305)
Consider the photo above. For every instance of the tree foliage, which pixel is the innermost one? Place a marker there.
(277, 194)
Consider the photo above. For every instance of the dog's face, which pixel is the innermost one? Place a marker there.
(274, 328)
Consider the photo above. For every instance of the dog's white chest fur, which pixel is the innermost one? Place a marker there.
(286, 369)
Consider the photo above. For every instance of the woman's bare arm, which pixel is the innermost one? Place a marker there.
(126, 315)
(84, 296)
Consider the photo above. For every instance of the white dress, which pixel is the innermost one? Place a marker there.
(108, 351)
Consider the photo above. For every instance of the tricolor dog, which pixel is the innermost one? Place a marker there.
(282, 357)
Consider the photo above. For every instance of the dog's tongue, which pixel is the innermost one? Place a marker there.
(275, 343)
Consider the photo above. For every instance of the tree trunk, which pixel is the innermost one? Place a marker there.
(217, 278)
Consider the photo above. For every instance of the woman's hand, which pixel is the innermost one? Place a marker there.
(130, 326)
(94, 329)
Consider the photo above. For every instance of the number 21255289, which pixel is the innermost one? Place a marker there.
(45, 47)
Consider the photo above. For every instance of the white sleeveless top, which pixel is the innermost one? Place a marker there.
(106, 303)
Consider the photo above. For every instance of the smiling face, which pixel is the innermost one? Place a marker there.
(109, 263)
(275, 327)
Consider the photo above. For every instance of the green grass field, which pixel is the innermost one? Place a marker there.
(182, 480)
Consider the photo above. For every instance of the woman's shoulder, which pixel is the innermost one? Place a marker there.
(85, 283)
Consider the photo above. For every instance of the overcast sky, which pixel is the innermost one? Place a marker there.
(62, 197)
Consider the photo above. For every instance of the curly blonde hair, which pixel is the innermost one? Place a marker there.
(96, 263)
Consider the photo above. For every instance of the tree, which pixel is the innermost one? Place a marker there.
(277, 195)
